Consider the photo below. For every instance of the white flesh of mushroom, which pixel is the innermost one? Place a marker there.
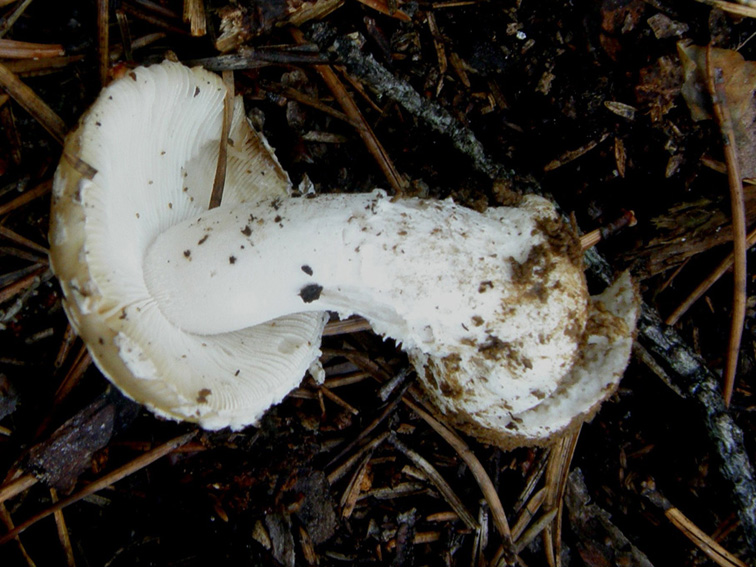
(213, 316)
(491, 307)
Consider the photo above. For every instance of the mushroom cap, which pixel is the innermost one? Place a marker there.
(142, 159)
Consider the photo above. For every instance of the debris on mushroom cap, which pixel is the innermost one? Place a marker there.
(143, 158)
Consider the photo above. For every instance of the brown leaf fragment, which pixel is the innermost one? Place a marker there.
(67, 453)
(739, 78)
(601, 542)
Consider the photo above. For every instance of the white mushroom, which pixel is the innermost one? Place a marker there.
(492, 308)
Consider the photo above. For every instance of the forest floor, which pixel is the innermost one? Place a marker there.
(598, 105)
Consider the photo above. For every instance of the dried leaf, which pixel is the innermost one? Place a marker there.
(739, 78)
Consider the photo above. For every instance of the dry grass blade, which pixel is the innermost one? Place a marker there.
(711, 548)
(439, 482)
(349, 463)
(16, 487)
(536, 528)
(310, 101)
(731, 7)
(12, 49)
(22, 284)
(103, 40)
(34, 105)
(740, 275)
(534, 475)
(363, 129)
(528, 513)
(557, 471)
(21, 241)
(339, 401)
(700, 539)
(710, 280)
(37, 67)
(26, 197)
(60, 523)
(6, 518)
(385, 413)
(10, 19)
(476, 468)
(353, 489)
(220, 171)
(120, 473)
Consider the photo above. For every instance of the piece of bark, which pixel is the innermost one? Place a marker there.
(689, 376)
(60, 459)
(600, 542)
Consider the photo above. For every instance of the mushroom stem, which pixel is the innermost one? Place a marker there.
(495, 294)
(396, 263)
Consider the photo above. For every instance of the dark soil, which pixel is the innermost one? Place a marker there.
(532, 81)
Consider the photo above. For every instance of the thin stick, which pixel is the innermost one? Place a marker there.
(353, 112)
(476, 468)
(103, 40)
(715, 83)
(111, 478)
(34, 105)
(228, 112)
(590, 239)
